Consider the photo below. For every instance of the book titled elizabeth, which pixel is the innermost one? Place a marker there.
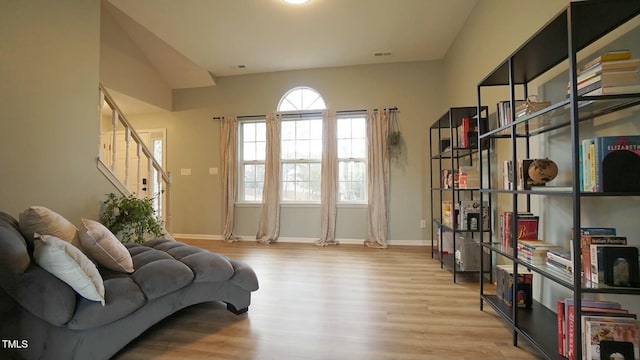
(617, 163)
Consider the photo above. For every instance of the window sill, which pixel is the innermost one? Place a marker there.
(304, 205)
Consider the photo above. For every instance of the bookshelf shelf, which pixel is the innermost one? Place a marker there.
(537, 325)
(447, 153)
(559, 125)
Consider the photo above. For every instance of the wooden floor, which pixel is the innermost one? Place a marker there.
(342, 302)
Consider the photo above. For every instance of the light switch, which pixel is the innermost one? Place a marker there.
(185, 171)
(213, 171)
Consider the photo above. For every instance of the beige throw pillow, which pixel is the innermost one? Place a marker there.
(103, 247)
(41, 220)
(69, 264)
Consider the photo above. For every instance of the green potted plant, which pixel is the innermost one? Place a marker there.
(394, 138)
(130, 218)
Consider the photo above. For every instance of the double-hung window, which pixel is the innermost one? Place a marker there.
(253, 135)
(352, 158)
(301, 159)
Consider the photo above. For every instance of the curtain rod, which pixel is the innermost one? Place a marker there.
(302, 113)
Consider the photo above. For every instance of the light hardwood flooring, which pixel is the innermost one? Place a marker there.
(341, 302)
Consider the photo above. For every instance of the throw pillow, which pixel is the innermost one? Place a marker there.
(41, 220)
(103, 247)
(69, 264)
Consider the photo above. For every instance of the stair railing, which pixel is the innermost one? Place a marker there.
(128, 163)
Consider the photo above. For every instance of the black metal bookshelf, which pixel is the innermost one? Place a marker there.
(579, 25)
(447, 130)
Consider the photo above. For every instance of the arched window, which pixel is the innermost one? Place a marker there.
(301, 99)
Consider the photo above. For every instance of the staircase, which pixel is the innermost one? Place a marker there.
(128, 162)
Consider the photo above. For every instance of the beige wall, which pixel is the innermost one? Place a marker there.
(49, 58)
(124, 67)
(415, 88)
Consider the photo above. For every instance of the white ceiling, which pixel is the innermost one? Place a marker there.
(188, 40)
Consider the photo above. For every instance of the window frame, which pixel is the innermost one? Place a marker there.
(364, 159)
(291, 117)
(240, 196)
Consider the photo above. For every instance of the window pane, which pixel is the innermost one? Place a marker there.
(352, 180)
(288, 149)
(315, 191)
(315, 149)
(302, 191)
(302, 172)
(288, 172)
(344, 148)
(359, 172)
(288, 191)
(261, 149)
(302, 129)
(315, 128)
(288, 130)
(258, 191)
(315, 171)
(344, 128)
(358, 148)
(249, 173)
(302, 149)
(301, 98)
(260, 173)
(249, 151)
(248, 132)
(359, 128)
(261, 131)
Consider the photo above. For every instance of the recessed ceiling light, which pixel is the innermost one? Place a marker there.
(296, 2)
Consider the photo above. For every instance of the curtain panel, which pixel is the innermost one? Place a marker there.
(378, 176)
(228, 157)
(269, 228)
(329, 181)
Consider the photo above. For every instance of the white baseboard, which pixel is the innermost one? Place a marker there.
(197, 237)
(301, 240)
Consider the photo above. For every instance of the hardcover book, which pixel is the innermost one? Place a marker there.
(617, 163)
(585, 245)
(612, 330)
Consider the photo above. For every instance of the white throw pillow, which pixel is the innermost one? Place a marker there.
(41, 220)
(103, 247)
(69, 264)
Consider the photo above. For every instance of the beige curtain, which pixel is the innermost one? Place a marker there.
(378, 176)
(228, 157)
(329, 182)
(269, 228)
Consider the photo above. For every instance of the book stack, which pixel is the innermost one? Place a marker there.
(447, 213)
(504, 112)
(610, 164)
(450, 179)
(469, 177)
(527, 227)
(534, 251)
(611, 73)
(606, 328)
(559, 259)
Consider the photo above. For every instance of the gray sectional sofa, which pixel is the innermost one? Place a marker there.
(41, 317)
